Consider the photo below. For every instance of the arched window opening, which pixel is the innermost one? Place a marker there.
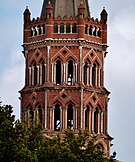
(39, 30)
(55, 28)
(94, 75)
(43, 73)
(100, 147)
(70, 117)
(35, 31)
(86, 29)
(35, 74)
(74, 28)
(95, 32)
(96, 121)
(43, 29)
(70, 72)
(57, 123)
(61, 28)
(85, 73)
(31, 117)
(67, 28)
(99, 32)
(90, 30)
(87, 118)
(40, 116)
(58, 72)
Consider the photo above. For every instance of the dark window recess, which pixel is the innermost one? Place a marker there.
(70, 72)
(70, 117)
(58, 72)
(61, 28)
(57, 123)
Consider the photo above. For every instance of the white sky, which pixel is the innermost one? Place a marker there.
(119, 64)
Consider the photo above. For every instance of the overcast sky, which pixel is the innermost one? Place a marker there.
(119, 64)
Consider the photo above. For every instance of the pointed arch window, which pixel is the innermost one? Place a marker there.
(96, 120)
(57, 123)
(90, 30)
(86, 29)
(43, 73)
(85, 73)
(94, 75)
(67, 28)
(61, 28)
(87, 118)
(55, 28)
(58, 72)
(70, 72)
(74, 28)
(70, 117)
(35, 74)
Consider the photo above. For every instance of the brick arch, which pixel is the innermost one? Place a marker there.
(57, 57)
(57, 101)
(72, 57)
(33, 62)
(101, 143)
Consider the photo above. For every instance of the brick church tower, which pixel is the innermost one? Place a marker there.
(64, 52)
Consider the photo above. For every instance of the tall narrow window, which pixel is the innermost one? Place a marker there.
(86, 29)
(90, 30)
(70, 72)
(95, 31)
(35, 74)
(31, 117)
(74, 28)
(67, 28)
(85, 73)
(43, 73)
(40, 116)
(57, 123)
(94, 75)
(43, 29)
(58, 72)
(87, 118)
(70, 116)
(99, 32)
(61, 28)
(96, 121)
(55, 28)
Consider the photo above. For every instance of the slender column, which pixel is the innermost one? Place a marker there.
(50, 118)
(96, 76)
(83, 73)
(99, 123)
(76, 118)
(99, 77)
(80, 47)
(30, 76)
(52, 72)
(84, 118)
(75, 72)
(37, 74)
(37, 116)
(28, 114)
(102, 118)
(81, 108)
(64, 69)
(73, 81)
(61, 73)
(61, 119)
(54, 79)
(53, 118)
(48, 60)
(66, 118)
(71, 28)
(66, 72)
(41, 74)
(88, 75)
(92, 121)
(91, 74)
(64, 28)
(46, 119)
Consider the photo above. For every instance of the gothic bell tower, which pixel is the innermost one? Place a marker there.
(64, 52)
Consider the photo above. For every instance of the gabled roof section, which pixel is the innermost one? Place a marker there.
(65, 7)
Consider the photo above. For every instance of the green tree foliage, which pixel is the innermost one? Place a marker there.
(18, 143)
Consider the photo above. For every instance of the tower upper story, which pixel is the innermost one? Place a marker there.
(70, 17)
